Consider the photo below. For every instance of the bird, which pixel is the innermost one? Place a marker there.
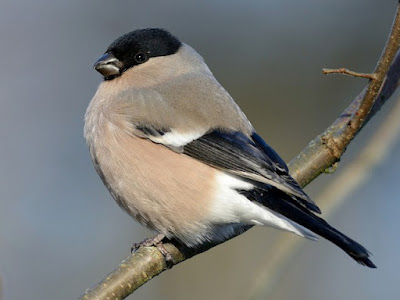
(178, 154)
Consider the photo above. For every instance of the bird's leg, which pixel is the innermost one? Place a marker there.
(155, 242)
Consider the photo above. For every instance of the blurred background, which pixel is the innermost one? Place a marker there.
(60, 231)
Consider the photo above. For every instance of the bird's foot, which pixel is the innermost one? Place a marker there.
(157, 242)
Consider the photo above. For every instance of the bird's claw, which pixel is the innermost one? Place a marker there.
(155, 242)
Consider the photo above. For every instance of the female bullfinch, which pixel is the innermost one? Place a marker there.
(178, 154)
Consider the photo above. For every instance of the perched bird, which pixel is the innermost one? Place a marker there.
(178, 154)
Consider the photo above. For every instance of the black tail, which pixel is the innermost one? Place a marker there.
(280, 202)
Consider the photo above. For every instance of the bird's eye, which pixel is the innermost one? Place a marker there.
(140, 57)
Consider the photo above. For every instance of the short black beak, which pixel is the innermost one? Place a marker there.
(108, 66)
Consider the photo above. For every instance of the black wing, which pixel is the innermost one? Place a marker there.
(250, 158)
(234, 152)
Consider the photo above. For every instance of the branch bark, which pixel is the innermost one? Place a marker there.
(319, 156)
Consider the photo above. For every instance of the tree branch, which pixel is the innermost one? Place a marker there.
(320, 155)
(354, 175)
(327, 148)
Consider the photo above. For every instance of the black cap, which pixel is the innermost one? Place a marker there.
(135, 48)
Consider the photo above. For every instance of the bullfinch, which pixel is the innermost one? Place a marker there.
(178, 154)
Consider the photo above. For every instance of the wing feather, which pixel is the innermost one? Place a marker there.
(250, 158)
(234, 152)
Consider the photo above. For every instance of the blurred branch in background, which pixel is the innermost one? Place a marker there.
(330, 198)
(319, 156)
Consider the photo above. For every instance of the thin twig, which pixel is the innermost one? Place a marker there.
(318, 156)
(345, 71)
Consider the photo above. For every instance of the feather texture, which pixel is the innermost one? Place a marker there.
(238, 154)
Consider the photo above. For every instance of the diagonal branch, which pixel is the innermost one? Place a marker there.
(355, 174)
(327, 148)
(321, 154)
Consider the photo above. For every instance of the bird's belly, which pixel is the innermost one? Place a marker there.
(164, 190)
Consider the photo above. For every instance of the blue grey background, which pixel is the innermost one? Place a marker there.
(60, 231)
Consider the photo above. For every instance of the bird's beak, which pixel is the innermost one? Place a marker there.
(108, 66)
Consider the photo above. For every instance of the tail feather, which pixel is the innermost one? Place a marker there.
(304, 217)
